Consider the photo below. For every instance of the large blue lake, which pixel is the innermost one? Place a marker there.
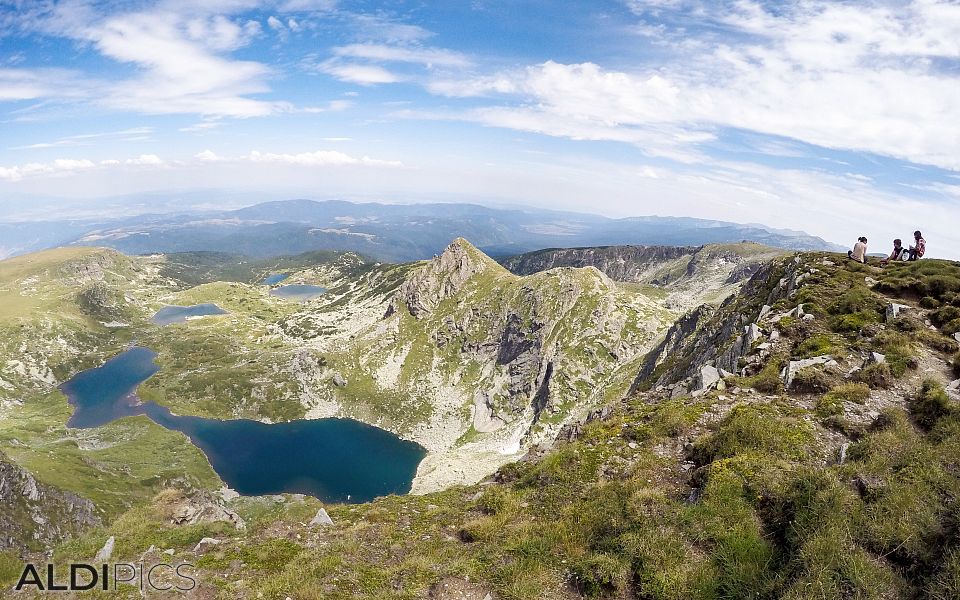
(336, 460)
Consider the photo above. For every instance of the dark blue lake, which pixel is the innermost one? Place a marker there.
(298, 292)
(336, 460)
(274, 278)
(179, 314)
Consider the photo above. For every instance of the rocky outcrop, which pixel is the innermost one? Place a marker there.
(691, 275)
(719, 338)
(36, 515)
(620, 263)
(441, 277)
(198, 506)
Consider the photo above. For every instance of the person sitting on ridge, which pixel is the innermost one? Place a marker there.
(899, 253)
(859, 252)
(917, 251)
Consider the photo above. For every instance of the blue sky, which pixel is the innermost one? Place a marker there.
(838, 118)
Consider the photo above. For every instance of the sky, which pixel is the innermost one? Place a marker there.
(837, 118)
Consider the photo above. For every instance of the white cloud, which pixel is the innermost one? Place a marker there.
(66, 166)
(416, 54)
(331, 106)
(381, 29)
(860, 78)
(320, 158)
(275, 23)
(57, 167)
(361, 74)
(151, 160)
(206, 156)
(33, 84)
(180, 52)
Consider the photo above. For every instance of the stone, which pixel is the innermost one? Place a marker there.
(808, 317)
(203, 508)
(868, 485)
(764, 311)
(751, 334)
(321, 518)
(106, 552)
(168, 551)
(790, 371)
(708, 377)
(205, 544)
(876, 358)
(869, 281)
(894, 310)
(774, 335)
(956, 336)
(724, 373)
(797, 313)
(338, 380)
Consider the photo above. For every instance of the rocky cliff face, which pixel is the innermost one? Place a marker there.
(689, 275)
(36, 515)
(638, 264)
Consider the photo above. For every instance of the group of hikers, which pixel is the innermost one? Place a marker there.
(914, 252)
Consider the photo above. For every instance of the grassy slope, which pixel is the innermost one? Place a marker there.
(729, 495)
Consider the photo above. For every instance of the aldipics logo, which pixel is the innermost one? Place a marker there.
(161, 577)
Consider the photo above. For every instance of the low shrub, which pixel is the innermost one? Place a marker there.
(814, 380)
(929, 302)
(759, 428)
(854, 322)
(931, 404)
(816, 345)
(938, 341)
(831, 403)
(899, 350)
(768, 380)
(876, 375)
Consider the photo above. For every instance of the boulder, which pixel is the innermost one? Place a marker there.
(106, 552)
(797, 313)
(338, 380)
(707, 378)
(201, 507)
(764, 311)
(790, 371)
(876, 358)
(205, 544)
(321, 518)
(751, 334)
(894, 310)
(956, 336)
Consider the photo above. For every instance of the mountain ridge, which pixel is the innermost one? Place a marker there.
(390, 232)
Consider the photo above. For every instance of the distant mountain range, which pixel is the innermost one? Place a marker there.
(389, 232)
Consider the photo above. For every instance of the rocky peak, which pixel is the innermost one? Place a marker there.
(443, 276)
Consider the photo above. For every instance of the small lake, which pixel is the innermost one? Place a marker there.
(298, 292)
(169, 315)
(274, 278)
(336, 460)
